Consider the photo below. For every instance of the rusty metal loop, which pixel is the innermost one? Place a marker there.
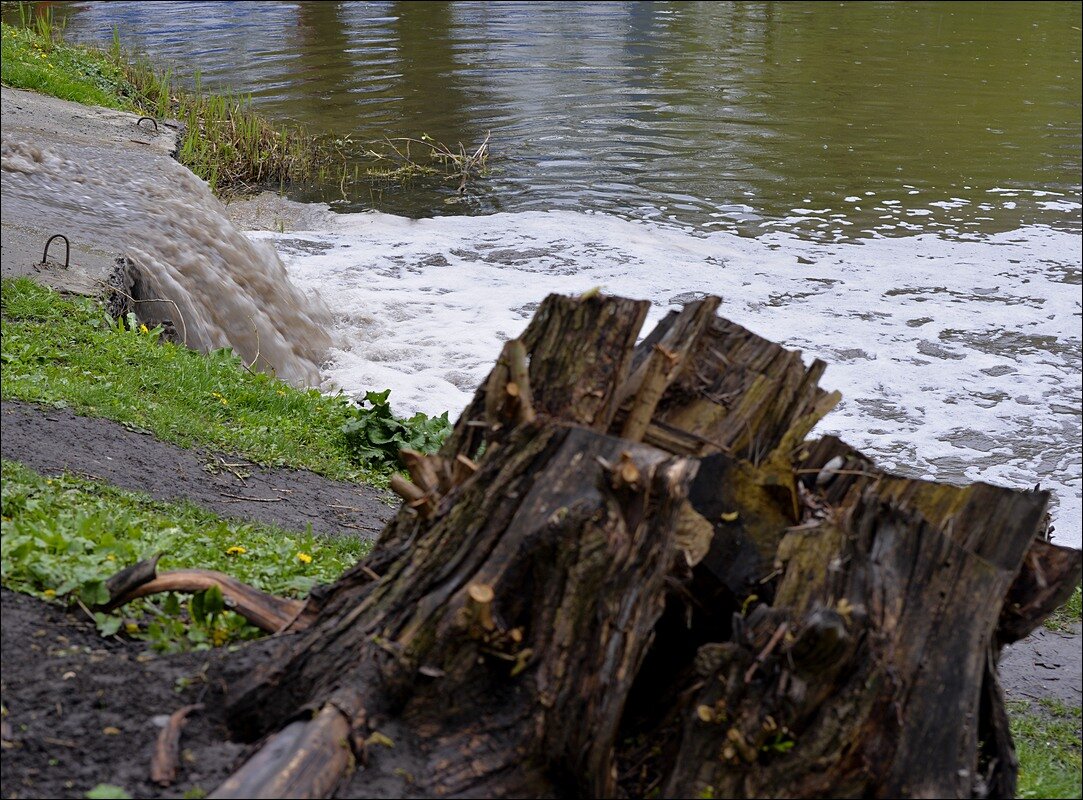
(152, 119)
(67, 249)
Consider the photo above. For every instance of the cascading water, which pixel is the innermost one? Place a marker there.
(221, 288)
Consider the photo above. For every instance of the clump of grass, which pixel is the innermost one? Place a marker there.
(35, 58)
(1047, 741)
(62, 538)
(1069, 614)
(70, 353)
(225, 142)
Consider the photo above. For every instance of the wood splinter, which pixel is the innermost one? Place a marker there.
(661, 367)
(518, 387)
(507, 392)
(166, 756)
(422, 468)
(416, 498)
(480, 604)
(625, 473)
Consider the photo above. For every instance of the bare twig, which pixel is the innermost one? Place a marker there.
(776, 637)
(238, 498)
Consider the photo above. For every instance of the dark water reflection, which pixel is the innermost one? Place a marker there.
(839, 120)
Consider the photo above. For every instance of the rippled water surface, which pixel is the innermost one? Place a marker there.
(892, 187)
(839, 119)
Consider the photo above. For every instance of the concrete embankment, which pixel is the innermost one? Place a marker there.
(77, 133)
(90, 133)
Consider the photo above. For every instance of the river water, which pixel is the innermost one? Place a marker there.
(892, 187)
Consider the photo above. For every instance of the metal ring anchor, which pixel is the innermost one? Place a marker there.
(67, 250)
(152, 119)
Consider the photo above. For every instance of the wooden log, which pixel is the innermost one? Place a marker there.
(579, 352)
(1046, 580)
(678, 334)
(658, 372)
(1046, 576)
(861, 708)
(306, 759)
(739, 392)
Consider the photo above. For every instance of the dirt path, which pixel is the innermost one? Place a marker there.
(80, 710)
(54, 441)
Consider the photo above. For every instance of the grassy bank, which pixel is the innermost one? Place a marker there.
(224, 142)
(1069, 614)
(62, 538)
(69, 353)
(1047, 741)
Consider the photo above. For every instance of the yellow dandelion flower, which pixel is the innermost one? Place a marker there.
(49, 593)
(304, 558)
(131, 627)
(236, 550)
(144, 329)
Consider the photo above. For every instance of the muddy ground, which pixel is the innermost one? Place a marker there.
(81, 710)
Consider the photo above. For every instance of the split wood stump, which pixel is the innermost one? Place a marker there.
(627, 573)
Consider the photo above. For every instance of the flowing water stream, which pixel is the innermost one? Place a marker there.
(224, 289)
(892, 187)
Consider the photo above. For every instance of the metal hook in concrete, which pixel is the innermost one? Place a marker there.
(152, 119)
(67, 250)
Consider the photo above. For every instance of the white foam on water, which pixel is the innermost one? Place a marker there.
(958, 359)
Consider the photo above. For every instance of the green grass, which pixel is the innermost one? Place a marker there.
(225, 143)
(31, 60)
(64, 352)
(1047, 740)
(61, 538)
(1069, 614)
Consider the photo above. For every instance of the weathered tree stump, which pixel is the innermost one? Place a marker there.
(627, 573)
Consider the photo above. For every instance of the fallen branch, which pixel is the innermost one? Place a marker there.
(266, 611)
(166, 757)
(304, 759)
